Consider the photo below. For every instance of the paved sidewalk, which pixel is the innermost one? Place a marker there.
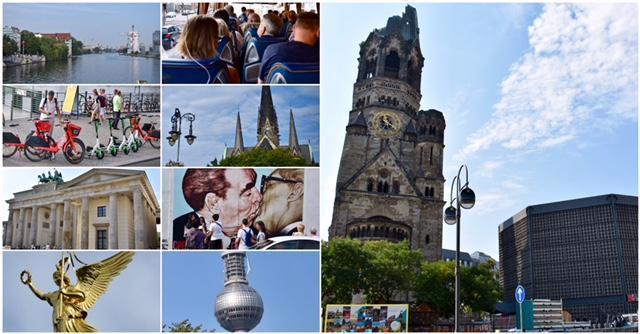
(146, 155)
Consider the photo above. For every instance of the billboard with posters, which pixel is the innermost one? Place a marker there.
(285, 200)
(366, 318)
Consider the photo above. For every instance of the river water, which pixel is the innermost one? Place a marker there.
(100, 68)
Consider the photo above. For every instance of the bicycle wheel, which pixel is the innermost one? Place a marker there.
(8, 150)
(35, 153)
(154, 143)
(74, 156)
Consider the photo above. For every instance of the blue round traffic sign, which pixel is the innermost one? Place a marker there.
(520, 294)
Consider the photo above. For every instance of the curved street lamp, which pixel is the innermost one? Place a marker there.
(465, 199)
(176, 129)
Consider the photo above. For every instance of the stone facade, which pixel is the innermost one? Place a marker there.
(390, 184)
(100, 209)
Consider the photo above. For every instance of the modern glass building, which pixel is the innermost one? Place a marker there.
(582, 251)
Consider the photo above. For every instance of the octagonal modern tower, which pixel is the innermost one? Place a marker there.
(239, 307)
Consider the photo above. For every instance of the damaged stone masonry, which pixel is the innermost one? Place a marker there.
(390, 182)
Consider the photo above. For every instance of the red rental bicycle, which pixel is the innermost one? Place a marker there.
(38, 148)
(146, 133)
(12, 143)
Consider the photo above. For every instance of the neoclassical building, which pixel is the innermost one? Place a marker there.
(390, 184)
(101, 209)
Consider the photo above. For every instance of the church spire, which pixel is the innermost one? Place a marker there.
(267, 112)
(293, 135)
(239, 144)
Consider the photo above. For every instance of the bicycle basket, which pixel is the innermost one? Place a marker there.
(10, 138)
(155, 134)
(43, 126)
(75, 130)
(147, 126)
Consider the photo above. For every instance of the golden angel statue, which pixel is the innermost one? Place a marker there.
(72, 302)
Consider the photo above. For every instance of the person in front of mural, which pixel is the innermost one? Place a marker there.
(245, 238)
(49, 110)
(214, 232)
(229, 193)
(282, 201)
(261, 236)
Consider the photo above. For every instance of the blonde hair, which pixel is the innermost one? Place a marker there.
(223, 29)
(199, 38)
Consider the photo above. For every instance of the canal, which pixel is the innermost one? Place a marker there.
(100, 68)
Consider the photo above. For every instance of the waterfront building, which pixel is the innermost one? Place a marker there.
(13, 33)
(583, 251)
(100, 209)
(61, 37)
(390, 184)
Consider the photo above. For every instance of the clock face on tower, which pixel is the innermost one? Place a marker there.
(386, 124)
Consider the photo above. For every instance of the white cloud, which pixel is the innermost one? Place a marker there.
(579, 75)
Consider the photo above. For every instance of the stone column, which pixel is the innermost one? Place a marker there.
(138, 220)
(8, 232)
(113, 221)
(25, 230)
(66, 225)
(84, 239)
(53, 224)
(16, 228)
(74, 227)
(58, 227)
(34, 227)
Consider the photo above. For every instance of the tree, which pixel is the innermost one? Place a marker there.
(9, 46)
(392, 270)
(479, 288)
(76, 46)
(434, 286)
(258, 157)
(343, 263)
(213, 163)
(183, 326)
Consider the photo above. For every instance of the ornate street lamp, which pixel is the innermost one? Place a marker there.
(176, 130)
(466, 199)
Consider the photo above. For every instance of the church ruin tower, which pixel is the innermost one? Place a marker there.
(390, 184)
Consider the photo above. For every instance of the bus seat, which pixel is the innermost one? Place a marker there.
(298, 73)
(253, 57)
(183, 71)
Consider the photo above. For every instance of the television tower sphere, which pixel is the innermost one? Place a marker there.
(239, 307)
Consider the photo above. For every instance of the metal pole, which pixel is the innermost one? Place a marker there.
(521, 319)
(179, 137)
(457, 310)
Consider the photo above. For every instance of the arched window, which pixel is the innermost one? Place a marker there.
(385, 187)
(380, 186)
(392, 65)
(431, 192)
(431, 156)
(426, 240)
(370, 185)
(396, 187)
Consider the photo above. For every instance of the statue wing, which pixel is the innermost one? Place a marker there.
(94, 279)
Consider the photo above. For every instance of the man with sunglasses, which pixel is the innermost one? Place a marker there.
(282, 201)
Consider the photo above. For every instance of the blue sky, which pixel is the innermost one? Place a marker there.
(23, 178)
(131, 304)
(540, 101)
(288, 282)
(96, 23)
(216, 108)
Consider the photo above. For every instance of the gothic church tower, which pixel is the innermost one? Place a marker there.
(390, 182)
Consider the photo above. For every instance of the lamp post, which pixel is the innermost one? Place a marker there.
(465, 198)
(176, 130)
